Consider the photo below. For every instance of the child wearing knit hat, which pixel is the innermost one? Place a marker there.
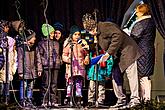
(29, 67)
(60, 37)
(79, 59)
(50, 57)
(59, 30)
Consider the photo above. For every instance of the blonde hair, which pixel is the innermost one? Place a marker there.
(143, 8)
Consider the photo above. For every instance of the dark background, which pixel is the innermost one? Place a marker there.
(68, 12)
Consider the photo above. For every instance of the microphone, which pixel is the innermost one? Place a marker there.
(83, 43)
(85, 33)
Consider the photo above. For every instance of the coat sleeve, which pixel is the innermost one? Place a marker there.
(116, 41)
(20, 60)
(38, 61)
(15, 62)
(137, 31)
(43, 54)
(65, 55)
(112, 36)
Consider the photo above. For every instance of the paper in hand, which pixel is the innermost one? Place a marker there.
(95, 60)
(104, 58)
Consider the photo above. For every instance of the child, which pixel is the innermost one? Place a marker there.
(29, 66)
(50, 64)
(103, 71)
(59, 35)
(9, 66)
(79, 59)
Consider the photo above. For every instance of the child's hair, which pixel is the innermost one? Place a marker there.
(3, 23)
(143, 8)
(88, 22)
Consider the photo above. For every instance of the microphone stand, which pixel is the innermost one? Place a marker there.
(96, 66)
(48, 51)
(49, 71)
(71, 59)
(96, 71)
(23, 35)
(24, 63)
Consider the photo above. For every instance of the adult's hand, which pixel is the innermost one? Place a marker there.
(104, 58)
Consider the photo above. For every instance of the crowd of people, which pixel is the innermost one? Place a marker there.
(130, 51)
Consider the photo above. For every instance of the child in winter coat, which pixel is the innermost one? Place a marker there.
(75, 57)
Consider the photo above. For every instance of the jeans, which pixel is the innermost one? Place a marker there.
(28, 89)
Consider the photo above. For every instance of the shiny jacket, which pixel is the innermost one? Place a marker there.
(144, 33)
(53, 60)
(78, 56)
(12, 61)
(32, 61)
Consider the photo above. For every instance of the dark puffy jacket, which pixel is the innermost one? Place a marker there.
(32, 62)
(52, 51)
(144, 32)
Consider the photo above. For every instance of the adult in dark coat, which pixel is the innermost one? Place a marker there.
(115, 42)
(144, 32)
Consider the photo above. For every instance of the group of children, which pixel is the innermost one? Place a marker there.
(45, 59)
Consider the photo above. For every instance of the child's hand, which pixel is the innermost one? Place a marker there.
(86, 60)
(104, 58)
(20, 75)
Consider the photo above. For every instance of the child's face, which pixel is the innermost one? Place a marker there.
(57, 34)
(6, 29)
(76, 36)
(31, 41)
(52, 35)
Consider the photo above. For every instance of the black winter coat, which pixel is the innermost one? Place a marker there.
(144, 32)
